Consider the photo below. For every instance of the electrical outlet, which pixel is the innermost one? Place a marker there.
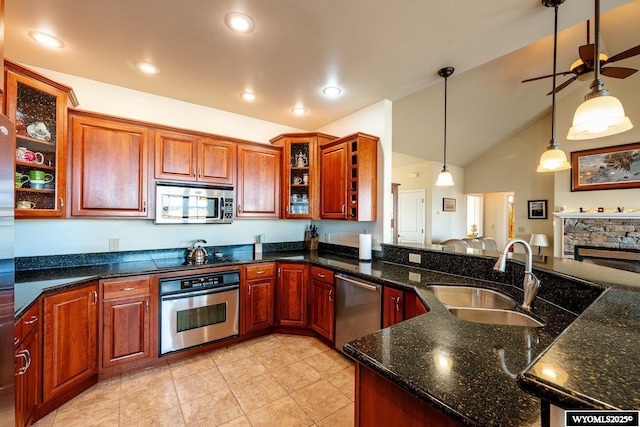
(114, 244)
(414, 277)
(415, 258)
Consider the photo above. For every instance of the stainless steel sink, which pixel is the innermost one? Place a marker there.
(467, 296)
(494, 316)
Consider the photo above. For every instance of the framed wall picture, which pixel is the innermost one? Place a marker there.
(537, 209)
(606, 168)
(448, 205)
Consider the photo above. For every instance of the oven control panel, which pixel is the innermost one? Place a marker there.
(196, 282)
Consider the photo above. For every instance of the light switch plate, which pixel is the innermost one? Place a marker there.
(415, 258)
(114, 244)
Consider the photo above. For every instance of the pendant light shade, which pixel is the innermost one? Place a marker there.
(553, 159)
(600, 114)
(445, 179)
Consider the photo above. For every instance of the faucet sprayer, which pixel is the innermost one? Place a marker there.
(530, 282)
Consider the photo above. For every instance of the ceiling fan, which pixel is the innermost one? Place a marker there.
(584, 65)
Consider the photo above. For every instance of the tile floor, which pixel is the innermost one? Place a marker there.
(275, 380)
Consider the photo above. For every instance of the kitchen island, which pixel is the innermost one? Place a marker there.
(472, 373)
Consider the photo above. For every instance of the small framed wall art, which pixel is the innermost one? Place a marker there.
(537, 209)
(448, 205)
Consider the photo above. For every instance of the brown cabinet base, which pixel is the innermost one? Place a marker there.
(382, 403)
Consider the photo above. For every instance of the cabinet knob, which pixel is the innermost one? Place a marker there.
(4, 130)
(239, 208)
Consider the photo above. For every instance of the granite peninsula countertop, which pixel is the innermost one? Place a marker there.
(474, 373)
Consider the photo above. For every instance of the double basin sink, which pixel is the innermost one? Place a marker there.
(481, 305)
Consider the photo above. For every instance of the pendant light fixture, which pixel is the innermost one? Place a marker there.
(553, 159)
(445, 179)
(600, 114)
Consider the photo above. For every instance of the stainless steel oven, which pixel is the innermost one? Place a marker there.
(198, 309)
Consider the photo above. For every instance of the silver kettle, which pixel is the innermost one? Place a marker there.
(197, 254)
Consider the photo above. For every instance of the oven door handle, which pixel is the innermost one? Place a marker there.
(190, 294)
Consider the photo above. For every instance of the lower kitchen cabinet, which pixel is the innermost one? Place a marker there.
(70, 342)
(382, 403)
(291, 295)
(322, 302)
(126, 326)
(257, 297)
(392, 306)
(28, 353)
(398, 305)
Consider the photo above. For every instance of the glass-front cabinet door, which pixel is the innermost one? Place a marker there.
(39, 110)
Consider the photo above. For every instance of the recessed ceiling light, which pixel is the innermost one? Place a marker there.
(46, 39)
(239, 22)
(299, 111)
(248, 96)
(145, 67)
(331, 91)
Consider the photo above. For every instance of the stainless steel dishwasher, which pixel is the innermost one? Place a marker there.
(358, 309)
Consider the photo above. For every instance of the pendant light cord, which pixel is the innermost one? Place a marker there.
(553, 91)
(445, 122)
(596, 50)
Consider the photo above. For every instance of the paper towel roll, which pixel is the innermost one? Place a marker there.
(365, 247)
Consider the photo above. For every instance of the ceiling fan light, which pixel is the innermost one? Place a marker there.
(445, 179)
(599, 116)
(583, 76)
(553, 160)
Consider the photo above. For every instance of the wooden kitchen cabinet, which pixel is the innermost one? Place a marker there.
(300, 194)
(399, 305)
(322, 302)
(28, 353)
(38, 107)
(291, 295)
(109, 163)
(257, 297)
(126, 320)
(70, 342)
(258, 189)
(348, 171)
(392, 306)
(189, 157)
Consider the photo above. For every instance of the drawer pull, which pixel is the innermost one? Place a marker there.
(249, 289)
(128, 289)
(331, 295)
(320, 275)
(27, 361)
(260, 272)
(31, 321)
(16, 340)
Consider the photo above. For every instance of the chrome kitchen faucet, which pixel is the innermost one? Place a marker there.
(530, 283)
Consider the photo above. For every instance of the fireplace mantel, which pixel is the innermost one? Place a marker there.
(604, 215)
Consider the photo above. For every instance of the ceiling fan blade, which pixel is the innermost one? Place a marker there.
(563, 73)
(586, 52)
(617, 72)
(563, 85)
(626, 54)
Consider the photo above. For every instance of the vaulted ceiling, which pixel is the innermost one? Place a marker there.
(371, 49)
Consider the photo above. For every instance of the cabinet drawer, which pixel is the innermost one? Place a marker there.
(322, 274)
(30, 319)
(260, 271)
(125, 288)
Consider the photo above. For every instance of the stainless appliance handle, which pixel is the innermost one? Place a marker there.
(358, 283)
(184, 295)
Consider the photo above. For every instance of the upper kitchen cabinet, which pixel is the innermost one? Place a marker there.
(258, 188)
(348, 178)
(38, 107)
(109, 167)
(186, 157)
(301, 173)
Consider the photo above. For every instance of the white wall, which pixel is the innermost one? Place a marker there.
(374, 120)
(496, 216)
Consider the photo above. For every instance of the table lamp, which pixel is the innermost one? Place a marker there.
(539, 240)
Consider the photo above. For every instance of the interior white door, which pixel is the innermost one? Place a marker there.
(411, 218)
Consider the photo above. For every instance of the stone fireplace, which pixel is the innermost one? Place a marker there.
(606, 239)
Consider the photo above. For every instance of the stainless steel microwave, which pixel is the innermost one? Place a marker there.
(187, 203)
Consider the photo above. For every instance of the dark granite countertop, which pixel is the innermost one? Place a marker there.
(466, 370)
